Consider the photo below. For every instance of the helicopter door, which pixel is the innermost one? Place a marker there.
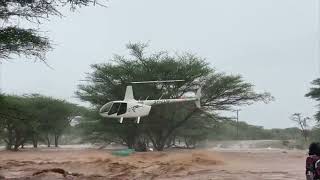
(114, 109)
(122, 109)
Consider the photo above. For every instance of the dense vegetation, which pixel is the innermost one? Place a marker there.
(165, 123)
(44, 132)
(314, 93)
(34, 119)
(16, 39)
(226, 130)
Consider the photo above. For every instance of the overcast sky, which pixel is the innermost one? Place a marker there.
(271, 43)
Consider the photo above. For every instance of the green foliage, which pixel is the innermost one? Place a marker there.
(95, 129)
(222, 92)
(15, 40)
(286, 134)
(314, 93)
(226, 130)
(54, 116)
(33, 117)
(108, 82)
(315, 134)
(35, 9)
(15, 120)
(197, 129)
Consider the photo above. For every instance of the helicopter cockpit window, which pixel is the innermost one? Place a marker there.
(122, 109)
(114, 108)
(105, 108)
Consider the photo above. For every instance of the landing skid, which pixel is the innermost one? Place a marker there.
(121, 120)
(137, 120)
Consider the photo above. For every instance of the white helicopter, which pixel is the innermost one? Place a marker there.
(131, 108)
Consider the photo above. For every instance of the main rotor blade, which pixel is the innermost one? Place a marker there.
(141, 82)
(165, 81)
(87, 80)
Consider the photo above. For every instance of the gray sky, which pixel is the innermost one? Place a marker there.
(271, 43)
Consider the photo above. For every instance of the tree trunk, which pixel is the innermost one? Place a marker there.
(158, 143)
(35, 141)
(160, 138)
(17, 140)
(141, 146)
(16, 147)
(131, 137)
(17, 144)
(9, 140)
(8, 144)
(56, 140)
(160, 146)
(130, 143)
(48, 140)
(23, 142)
(174, 140)
(186, 142)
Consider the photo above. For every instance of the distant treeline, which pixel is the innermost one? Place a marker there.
(227, 130)
(291, 137)
(223, 130)
(36, 119)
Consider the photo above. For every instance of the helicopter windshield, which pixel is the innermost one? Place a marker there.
(105, 108)
(114, 108)
(119, 108)
(122, 109)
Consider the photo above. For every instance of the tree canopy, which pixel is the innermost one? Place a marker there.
(18, 40)
(314, 93)
(108, 81)
(34, 118)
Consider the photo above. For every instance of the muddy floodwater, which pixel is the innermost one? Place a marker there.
(214, 164)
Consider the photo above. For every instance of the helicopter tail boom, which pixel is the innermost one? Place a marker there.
(196, 99)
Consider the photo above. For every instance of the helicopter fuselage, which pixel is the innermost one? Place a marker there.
(125, 109)
(131, 108)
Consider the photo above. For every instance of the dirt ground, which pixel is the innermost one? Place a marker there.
(64, 163)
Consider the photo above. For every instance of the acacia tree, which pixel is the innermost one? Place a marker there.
(28, 118)
(54, 117)
(15, 121)
(17, 40)
(220, 92)
(108, 82)
(169, 122)
(303, 124)
(156, 66)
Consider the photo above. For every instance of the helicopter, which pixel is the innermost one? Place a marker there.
(132, 108)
